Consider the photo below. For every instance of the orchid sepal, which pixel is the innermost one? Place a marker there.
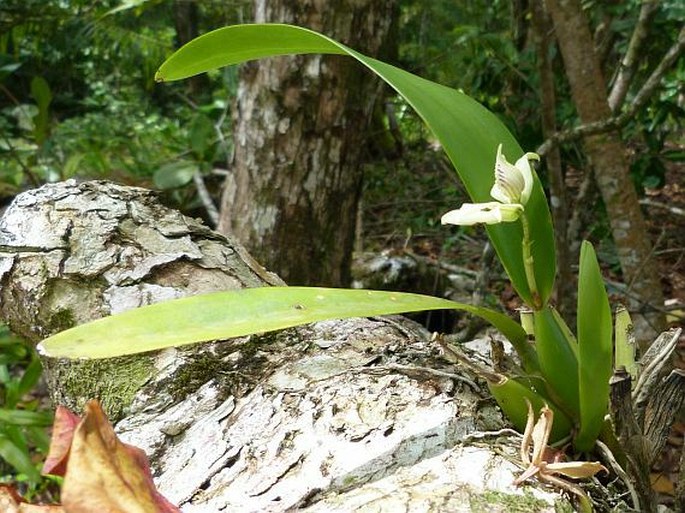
(513, 182)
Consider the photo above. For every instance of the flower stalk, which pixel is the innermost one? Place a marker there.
(528, 263)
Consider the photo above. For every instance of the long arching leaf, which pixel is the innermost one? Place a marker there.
(468, 132)
(235, 313)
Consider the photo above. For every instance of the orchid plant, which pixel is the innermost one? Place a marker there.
(566, 372)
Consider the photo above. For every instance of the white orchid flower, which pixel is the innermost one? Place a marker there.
(512, 188)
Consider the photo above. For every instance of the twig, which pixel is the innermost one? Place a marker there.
(644, 262)
(220, 134)
(616, 122)
(480, 435)
(452, 268)
(413, 371)
(673, 210)
(645, 306)
(27, 171)
(618, 470)
(629, 62)
(206, 198)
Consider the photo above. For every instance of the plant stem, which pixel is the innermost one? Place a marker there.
(528, 264)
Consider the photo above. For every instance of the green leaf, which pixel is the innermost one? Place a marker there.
(594, 349)
(39, 437)
(25, 418)
(11, 352)
(235, 313)
(468, 132)
(18, 458)
(511, 394)
(625, 343)
(557, 350)
(175, 174)
(201, 135)
(30, 377)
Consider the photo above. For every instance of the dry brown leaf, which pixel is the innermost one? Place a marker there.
(62, 433)
(662, 484)
(11, 502)
(105, 475)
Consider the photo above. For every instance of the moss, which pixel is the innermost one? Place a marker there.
(563, 506)
(511, 503)
(113, 381)
(61, 320)
(194, 374)
(231, 373)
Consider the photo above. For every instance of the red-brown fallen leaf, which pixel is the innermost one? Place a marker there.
(11, 502)
(62, 433)
(105, 475)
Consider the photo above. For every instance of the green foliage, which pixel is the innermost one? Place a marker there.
(558, 354)
(568, 374)
(468, 133)
(78, 98)
(71, 62)
(511, 394)
(626, 345)
(22, 424)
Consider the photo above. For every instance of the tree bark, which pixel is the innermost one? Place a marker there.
(607, 156)
(354, 415)
(299, 134)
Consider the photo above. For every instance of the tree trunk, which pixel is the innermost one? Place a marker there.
(300, 129)
(607, 156)
(355, 415)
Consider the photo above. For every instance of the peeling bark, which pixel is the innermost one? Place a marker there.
(335, 416)
(300, 130)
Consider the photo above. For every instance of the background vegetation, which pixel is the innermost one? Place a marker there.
(78, 100)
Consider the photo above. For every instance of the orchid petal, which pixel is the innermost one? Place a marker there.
(513, 182)
(523, 165)
(488, 213)
(509, 181)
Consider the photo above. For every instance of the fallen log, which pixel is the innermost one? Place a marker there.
(353, 415)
